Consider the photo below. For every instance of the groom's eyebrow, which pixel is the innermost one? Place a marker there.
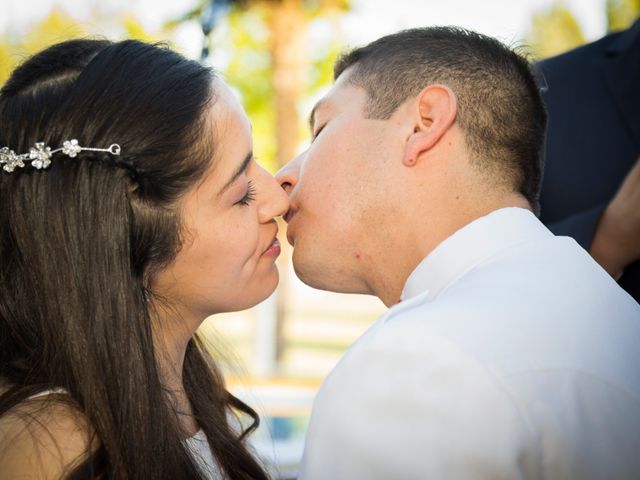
(239, 171)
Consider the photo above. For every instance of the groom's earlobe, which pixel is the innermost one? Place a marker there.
(435, 113)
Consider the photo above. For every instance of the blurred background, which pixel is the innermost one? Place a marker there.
(278, 55)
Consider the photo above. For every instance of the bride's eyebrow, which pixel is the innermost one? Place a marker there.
(239, 171)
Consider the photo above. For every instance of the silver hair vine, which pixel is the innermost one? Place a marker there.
(40, 154)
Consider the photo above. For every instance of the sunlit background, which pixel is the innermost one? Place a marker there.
(278, 55)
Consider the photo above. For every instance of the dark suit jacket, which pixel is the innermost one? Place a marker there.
(593, 136)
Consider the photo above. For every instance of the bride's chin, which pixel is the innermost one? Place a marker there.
(272, 283)
(265, 288)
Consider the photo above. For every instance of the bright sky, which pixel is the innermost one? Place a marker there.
(507, 20)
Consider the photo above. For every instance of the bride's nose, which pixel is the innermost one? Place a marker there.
(275, 201)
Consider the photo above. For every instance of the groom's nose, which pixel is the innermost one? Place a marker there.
(288, 175)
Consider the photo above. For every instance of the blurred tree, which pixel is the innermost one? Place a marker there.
(59, 26)
(55, 27)
(553, 31)
(622, 13)
(7, 59)
(289, 50)
(274, 67)
(250, 70)
(133, 28)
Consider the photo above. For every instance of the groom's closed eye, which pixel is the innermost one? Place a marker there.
(314, 114)
(315, 135)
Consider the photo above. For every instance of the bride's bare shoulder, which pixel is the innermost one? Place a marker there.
(43, 438)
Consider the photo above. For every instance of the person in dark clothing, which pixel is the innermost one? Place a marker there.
(591, 184)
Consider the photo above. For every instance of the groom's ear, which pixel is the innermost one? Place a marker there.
(435, 111)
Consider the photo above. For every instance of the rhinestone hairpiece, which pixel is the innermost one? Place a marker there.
(40, 154)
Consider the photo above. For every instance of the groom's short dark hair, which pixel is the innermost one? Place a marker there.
(500, 110)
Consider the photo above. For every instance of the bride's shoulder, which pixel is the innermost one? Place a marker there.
(43, 437)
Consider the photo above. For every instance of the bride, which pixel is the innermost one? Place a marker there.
(131, 208)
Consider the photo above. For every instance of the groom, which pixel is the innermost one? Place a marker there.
(506, 352)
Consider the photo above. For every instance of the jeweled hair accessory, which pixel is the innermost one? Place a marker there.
(40, 154)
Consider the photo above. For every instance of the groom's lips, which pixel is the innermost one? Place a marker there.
(288, 217)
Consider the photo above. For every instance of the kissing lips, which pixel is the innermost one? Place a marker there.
(273, 250)
(288, 217)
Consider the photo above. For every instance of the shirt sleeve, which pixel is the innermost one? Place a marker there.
(412, 407)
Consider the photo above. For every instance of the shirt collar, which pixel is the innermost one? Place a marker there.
(471, 245)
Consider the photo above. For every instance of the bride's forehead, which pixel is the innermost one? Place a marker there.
(225, 95)
(230, 129)
(225, 111)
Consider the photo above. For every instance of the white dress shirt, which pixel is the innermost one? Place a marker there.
(513, 355)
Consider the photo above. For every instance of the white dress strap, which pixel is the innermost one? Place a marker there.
(197, 445)
(199, 449)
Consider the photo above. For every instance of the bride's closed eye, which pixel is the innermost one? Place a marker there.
(250, 196)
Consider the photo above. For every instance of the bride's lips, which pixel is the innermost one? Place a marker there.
(273, 250)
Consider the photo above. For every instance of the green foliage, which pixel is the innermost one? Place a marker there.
(133, 28)
(7, 60)
(250, 70)
(321, 71)
(622, 13)
(553, 31)
(316, 8)
(56, 27)
(320, 75)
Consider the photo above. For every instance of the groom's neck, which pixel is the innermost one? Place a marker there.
(417, 237)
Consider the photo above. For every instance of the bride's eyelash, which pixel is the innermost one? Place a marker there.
(250, 196)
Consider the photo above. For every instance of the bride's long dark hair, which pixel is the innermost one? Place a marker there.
(80, 241)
